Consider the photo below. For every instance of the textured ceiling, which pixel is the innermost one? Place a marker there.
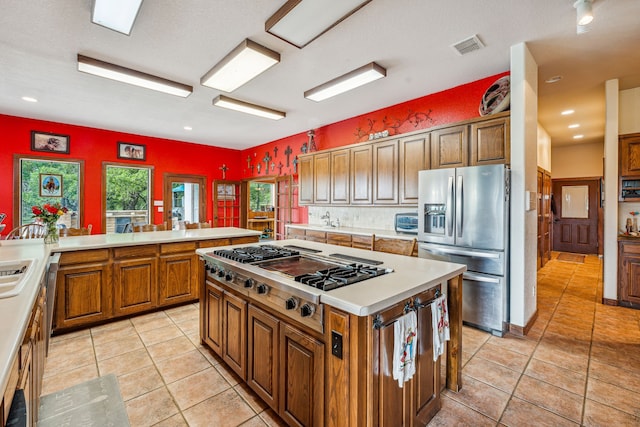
(182, 40)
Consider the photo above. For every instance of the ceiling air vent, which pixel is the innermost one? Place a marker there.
(468, 45)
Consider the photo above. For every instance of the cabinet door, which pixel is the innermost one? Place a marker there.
(490, 142)
(361, 175)
(385, 173)
(629, 274)
(135, 285)
(211, 328)
(414, 157)
(629, 155)
(234, 333)
(262, 366)
(340, 176)
(83, 294)
(305, 180)
(321, 178)
(178, 278)
(301, 378)
(425, 400)
(450, 147)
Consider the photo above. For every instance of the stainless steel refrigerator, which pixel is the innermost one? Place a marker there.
(463, 217)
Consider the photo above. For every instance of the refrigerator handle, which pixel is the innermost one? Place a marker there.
(459, 206)
(461, 252)
(478, 278)
(449, 210)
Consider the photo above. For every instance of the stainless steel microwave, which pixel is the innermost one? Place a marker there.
(407, 223)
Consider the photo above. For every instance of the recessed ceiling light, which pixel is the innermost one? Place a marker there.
(574, 126)
(188, 128)
(553, 79)
(29, 99)
(567, 112)
(578, 136)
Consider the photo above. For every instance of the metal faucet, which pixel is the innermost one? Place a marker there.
(327, 219)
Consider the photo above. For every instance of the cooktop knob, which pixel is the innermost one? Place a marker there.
(291, 303)
(228, 276)
(221, 273)
(248, 283)
(262, 288)
(306, 310)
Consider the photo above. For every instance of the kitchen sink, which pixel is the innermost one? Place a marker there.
(13, 276)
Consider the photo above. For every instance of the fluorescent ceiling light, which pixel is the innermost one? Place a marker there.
(300, 22)
(118, 15)
(574, 126)
(578, 136)
(133, 77)
(245, 107)
(29, 99)
(351, 80)
(567, 112)
(240, 65)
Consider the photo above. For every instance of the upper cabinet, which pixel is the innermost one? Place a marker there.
(385, 172)
(629, 155)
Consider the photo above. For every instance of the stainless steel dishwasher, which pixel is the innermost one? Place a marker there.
(52, 272)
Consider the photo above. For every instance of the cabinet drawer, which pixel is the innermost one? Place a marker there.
(361, 242)
(295, 232)
(314, 234)
(631, 248)
(135, 251)
(246, 239)
(172, 248)
(88, 256)
(213, 243)
(339, 238)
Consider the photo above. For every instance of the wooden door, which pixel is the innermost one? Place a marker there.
(263, 348)
(178, 278)
(629, 155)
(184, 198)
(284, 202)
(305, 180)
(321, 178)
(490, 142)
(385, 173)
(301, 378)
(361, 175)
(414, 157)
(547, 217)
(234, 333)
(211, 328)
(539, 180)
(340, 177)
(450, 147)
(575, 226)
(227, 203)
(135, 285)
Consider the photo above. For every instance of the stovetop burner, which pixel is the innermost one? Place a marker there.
(337, 277)
(249, 254)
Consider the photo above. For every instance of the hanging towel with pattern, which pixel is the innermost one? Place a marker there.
(405, 341)
(440, 322)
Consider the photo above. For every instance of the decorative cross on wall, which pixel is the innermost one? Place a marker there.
(295, 165)
(248, 162)
(287, 153)
(259, 166)
(266, 159)
(273, 165)
(224, 170)
(280, 165)
(275, 151)
(312, 141)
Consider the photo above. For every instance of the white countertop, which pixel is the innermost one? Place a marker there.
(392, 234)
(410, 276)
(15, 311)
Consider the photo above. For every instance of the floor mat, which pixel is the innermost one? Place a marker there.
(571, 257)
(96, 402)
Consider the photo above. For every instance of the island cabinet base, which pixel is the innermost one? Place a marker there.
(361, 390)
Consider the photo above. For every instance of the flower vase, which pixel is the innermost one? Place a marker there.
(51, 233)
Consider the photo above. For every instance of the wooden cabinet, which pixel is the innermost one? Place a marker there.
(544, 217)
(179, 267)
(629, 273)
(361, 175)
(340, 239)
(321, 178)
(490, 142)
(316, 236)
(629, 155)
(263, 359)
(83, 292)
(450, 147)
(385, 173)
(340, 178)
(211, 308)
(134, 279)
(305, 180)
(301, 379)
(362, 242)
(414, 157)
(234, 333)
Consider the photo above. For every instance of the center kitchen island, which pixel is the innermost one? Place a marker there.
(310, 328)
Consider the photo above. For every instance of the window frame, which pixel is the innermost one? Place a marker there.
(103, 191)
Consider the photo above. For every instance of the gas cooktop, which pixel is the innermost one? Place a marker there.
(321, 272)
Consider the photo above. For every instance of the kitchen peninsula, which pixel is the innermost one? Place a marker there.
(318, 347)
(100, 277)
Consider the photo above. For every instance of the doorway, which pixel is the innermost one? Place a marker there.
(184, 199)
(575, 224)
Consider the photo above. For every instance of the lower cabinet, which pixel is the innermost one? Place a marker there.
(134, 285)
(179, 267)
(234, 333)
(629, 273)
(262, 369)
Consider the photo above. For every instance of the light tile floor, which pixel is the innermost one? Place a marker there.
(579, 365)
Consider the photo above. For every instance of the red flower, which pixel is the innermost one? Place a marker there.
(36, 210)
(51, 209)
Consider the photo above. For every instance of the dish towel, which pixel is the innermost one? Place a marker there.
(405, 340)
(440, 322)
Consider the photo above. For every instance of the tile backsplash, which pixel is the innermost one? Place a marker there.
(377, 217)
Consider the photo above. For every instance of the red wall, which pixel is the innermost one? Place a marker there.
(95, 146)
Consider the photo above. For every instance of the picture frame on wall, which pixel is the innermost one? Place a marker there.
(50, 185)
(130, 151)
(49, 142)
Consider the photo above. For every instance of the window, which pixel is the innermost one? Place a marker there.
(126, 197)
(33, 175)
(261, 196)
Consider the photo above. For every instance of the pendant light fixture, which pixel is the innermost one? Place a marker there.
(584, 14)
